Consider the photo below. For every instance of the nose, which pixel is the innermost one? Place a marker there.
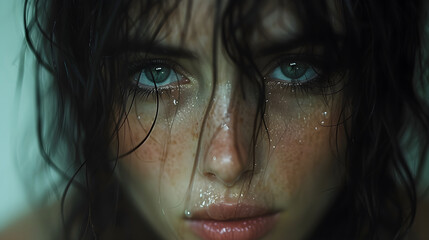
(226, 158)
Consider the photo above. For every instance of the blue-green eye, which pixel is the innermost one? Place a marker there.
(294, 72)
(160, 75)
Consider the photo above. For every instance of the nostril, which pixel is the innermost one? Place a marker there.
(209, 175)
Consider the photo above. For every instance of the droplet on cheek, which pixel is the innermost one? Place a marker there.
(188, 213)
(325, 115)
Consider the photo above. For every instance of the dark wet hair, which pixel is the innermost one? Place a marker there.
(84, 46)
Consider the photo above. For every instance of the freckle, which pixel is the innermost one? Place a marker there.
(195, 135)
(241, 120)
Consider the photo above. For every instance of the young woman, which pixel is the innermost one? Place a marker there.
(199, 119)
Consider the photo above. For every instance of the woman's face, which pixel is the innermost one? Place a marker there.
(202, 173)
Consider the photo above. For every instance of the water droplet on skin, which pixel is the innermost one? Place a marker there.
(138, 117)
(292, 90)
(322, 123)
(299, 141)
(274, 147)
(188, 213)
(266, 100)
(175, 102)
(325, 114)
(316, 128)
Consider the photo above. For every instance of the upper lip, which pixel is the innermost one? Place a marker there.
(231, 211)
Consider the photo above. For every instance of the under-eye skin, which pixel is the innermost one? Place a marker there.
(154, 76)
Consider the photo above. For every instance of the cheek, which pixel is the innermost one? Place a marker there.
(161, 153)
(299, 164)
(165, 159)
(155, 175)
(303, 157)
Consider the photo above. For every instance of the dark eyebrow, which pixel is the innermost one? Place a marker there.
(171, 51)
(286, 45)
(279, 46)
(159, 49)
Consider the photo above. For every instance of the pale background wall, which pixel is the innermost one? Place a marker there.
(12, 195)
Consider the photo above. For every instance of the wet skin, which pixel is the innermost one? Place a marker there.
(200, 150)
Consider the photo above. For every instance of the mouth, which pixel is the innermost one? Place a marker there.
(232, 221)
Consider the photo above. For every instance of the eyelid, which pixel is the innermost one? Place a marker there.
(312, 60)
(139, 65)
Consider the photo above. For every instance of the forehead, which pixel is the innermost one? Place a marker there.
(192, 22)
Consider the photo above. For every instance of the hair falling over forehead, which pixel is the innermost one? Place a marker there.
(234, 25)
(371, 54)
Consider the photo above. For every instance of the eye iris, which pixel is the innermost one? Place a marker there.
(294, 70)
(157, 74)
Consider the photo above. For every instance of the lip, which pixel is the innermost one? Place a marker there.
(232, 221)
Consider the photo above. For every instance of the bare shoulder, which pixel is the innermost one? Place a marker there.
(40, 224)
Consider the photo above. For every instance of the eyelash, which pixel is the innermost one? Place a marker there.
(315, 85)
(138, 68)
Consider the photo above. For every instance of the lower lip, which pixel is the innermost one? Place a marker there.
(248, 228)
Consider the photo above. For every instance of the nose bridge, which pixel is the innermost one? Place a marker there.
(226, 150)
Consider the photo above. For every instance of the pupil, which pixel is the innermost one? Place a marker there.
(294, 70)
(157, 74)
